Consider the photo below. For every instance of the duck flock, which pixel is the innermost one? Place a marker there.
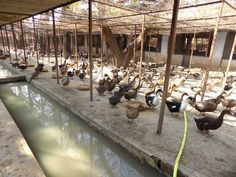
(185, 87)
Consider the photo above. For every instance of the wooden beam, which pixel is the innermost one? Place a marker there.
(90, 49)
(76, 47)
(208, 66)
(35, 42)
(48, 45)
(23, 42)
(208, 44)
(3, 43)
(192, 48)
(9, 49)
(60, 44)
(229, 62)
(141, 49)
(14, 40)
(101, 48)
(55, 45)
(134, 49)
(171, 48)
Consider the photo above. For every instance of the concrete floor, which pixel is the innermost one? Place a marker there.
(204, 155)
(16, 158)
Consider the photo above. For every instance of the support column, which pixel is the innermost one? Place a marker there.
(208, 66)
(14, 40)
(35, 42)
(55, 44)
(9, 49)
(3, 43)
(134, 49)
(192, 47)
(90, 50)
(60, 44)
(102, 49)
(76, 47)
(229, 62)
(141, 49)
(171, 48)
(23, 42)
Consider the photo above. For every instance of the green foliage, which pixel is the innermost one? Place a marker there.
(71, 6)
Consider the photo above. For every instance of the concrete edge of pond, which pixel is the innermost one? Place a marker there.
(162, 165)
(16, 157)
(14, 78)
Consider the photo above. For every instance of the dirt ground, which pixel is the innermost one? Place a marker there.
(212, 155)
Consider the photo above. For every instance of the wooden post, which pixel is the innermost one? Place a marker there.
(208, 45)
(60, 44)
(48, 45)
(101, 48)
(141, 49)
(134, 49)
(171, 48)
(90, 50)
(23, 42)
(35, 42)
(229, 62)
(208, 66)
(8, 42)
(14, 40)
(3, 43)
(76, 47)
(192, 47)
(55, 44)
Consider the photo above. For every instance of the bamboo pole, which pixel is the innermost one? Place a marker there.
(208, 45)
(101, 48)
(208, 66)
(134, 49)
(14, 40)
(192, 48)
(76, 47)
(229, 62)
(171, 48)
(141, 49)
(23, 42)
(90, 49)
(60, 44)
(3, 43)
(55, 44)
(35, 42)
(8, 42)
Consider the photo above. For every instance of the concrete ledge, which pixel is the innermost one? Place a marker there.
(14, 78)
(16, 158)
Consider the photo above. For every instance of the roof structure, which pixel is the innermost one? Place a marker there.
(123, 15)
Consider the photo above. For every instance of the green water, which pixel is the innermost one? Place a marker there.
(63, 145)
(4, 72)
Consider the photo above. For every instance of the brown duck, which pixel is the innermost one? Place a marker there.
(211, 123)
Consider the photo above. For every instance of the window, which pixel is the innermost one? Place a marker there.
(153, 43)
(202, 44)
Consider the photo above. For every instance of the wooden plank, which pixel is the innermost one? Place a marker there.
(171, 48)
(192, 48)
(141, 49)
(55, 45)
(90, 49)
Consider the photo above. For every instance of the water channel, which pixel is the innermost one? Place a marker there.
(63, 145)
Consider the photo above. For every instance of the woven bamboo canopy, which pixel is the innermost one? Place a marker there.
(122, 15)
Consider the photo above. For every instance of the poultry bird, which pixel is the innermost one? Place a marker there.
(101, 89)
(193, 101)
(22, 67)
(132, 114)
(34, 75)
(152, 100)
(211, 123)
(229, 103)
(66, 80)
(82, 74)
(133, 92)
(111, 84)
(208, 105)
(103, 80)
(115, 99)
(129, 85)
(39, 67)
(178, 106)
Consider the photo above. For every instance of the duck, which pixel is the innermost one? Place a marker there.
(14, 64)
(176, 106)
(208, 105)
(101, 89)
(39, 67)
(115, 99)
(22, 67)
(34, 75)
(133, 92)
(66, 80)
(103, 80)
(229, 103)
(211, 123)
(111, 84)
(152, 100)
(193, 101)
(132, 114)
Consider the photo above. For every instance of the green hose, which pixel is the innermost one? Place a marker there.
(182, 146)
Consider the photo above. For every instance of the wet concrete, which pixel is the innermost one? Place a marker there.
(16, 158)
(203, 155)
